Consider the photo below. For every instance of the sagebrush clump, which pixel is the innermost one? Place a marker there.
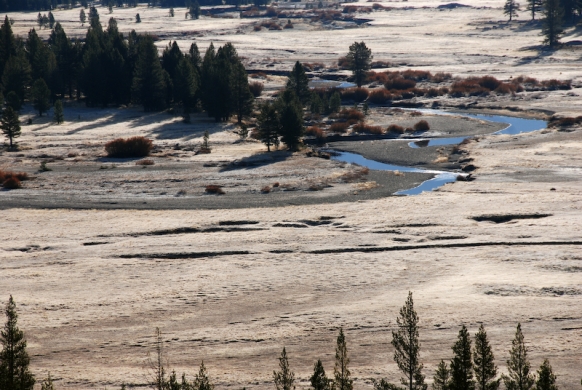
(129, 147)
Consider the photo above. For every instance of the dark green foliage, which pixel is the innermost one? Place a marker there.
(137, 18)
(510, 8)
(41, 96)
(242, 97)
(284, 378)
(93, 15)
(534, 6)
(268, 125)
(14, 360)
(360, 61)
(407, 347)
(316, 104)
(383, 384)
(12, 101)
(442, 377)
(520, 377)
(51, 20)
(82, 16)
(335, 102)
(461, 364)
(552, 23)
(546, 378)
(299, 83)
(7, 43)
(483, 363)
(42, 60)
(59, 115)
(291, 119)
(202, 382)
(341, 372)
(186, 86)
(10, 124)
(149, 87)
(195, 58)
(319, 380)
(16, 76)
(194, 10)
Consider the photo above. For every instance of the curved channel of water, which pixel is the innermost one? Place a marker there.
(515, 126)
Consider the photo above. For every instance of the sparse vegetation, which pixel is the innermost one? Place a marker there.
(421, 126)
(214, 189)
(130, 147)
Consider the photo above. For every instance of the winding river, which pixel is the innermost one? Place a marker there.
(514, 126)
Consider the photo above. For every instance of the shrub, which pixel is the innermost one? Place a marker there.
(468, 86)
(355, 94)
(380, 64)
(288, 25)
(130, 147)
(363, 128)
(421, 126)
(416, 75)
(256, 88)
(258, 27)
(12, 183)
(339, 127)
(564, 122)
(553, 84)
(432, 92)
(351, 113)
(265, 189)
(489, 82)
(315, 131)
(439, 77)
(145, 162)
(343, 63)
(214, 189)
(6, 175)
(395, 129)
(505, 88)
(379, 96)
(399, 84)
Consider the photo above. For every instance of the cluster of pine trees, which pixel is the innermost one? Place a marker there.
(469, 369)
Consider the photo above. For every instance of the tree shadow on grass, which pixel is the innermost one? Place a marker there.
(258, 160)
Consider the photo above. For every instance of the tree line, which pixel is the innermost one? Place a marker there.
(470, 368)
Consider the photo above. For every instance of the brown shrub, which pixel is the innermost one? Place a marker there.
(379, 96)
(564, 122)
(343, 63)
(257, 27)
(271, 12)
(276, 184)
(350, 9)
(409, 130)
(380, 64)
(505, 88)
(256, 88)
(12, 183)
(129, 147)
(468, 86)
(395, 129)
(433, 92)
(265, 189)
(339, 127)
(378, 77)
(399, 84)
(530, 81)
(439, 77)
(315, 131)
(489, 82)
(421, 126)
(416, 75)
(288, 25)
(258, 75)
(363, 128)
(311, 66)
(145, 162)
(5, 175)
(214, 189)
(355, 94)
(351, 113)
(553, 84)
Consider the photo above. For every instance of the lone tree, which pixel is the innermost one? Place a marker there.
(441, 377)
(10, 125)
(407, 347)
(156, 364)
(510, 8)
(552, 23)
(461, 364)
(202, 382)
(285, 378)
(546, 378)
(319, 380)
(534, 6)
(14, 359)
(59, 116)
(519, 377)
(291, 119)
(341, 372)
(299, 83)
(82, 16)
(269, 125)
(360, 61)
(483, 362)
(41, 95)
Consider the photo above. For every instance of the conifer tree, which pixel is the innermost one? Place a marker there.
(195, 57)
(510, 9)
(59, 116)
(51, 19)
(13, 101)
(41, 96)
(291, 119)
(10, 125)
(14, 360)
(319, 380)
(442, 377)
(534, 6)
(93, 15)
(16, 76)
(268, 125)
(407, 347)
(299, 83)
(546, 379)
(483, 362)
(552, 23)
(7, 43)
(284, 378)
(186, 86)
(149, 86)
(82, 16)
(335, 102)
(173, 383)
(202, 382)
(137, 18)
(341, 372)
(520, 377)
(243, 99)
(360, 60)
(461, 364)
(156, 364)
(194, 10)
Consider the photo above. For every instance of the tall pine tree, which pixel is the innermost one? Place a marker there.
(520, 377)
(149, 86)
(546, 378)
(461, 364)
(483, 362)
(319, 380)
(442, 377)
(291, 118)
(268, 125)
(284, 378)
(341, 372)
(552, 23)
(299, 83)
(10, 125)
(242, 97)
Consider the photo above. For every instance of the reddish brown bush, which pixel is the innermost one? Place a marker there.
(489, 82)
(258, 75)
(214, 189)
(351, 113)
(395, 129)
(564, 122)
(5, 175)
(256, 88)
(553, 84)
(315, 131)
(12, 183)
(311, 66)
(399, 84)
(343, 63)
(129, 147)
(339, 127)
(505, 88)
(416, 75)
(363, 128)
(350, 9)
(258, 27)
(271, 12)
(433, 92)
(145, 162)
(379, 96)
(380, 64)
(421, 126)
(468, 86)
(439, 77)
(265, 189)
(288, 25)
(355, 94)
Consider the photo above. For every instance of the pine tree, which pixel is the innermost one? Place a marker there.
(407, 347)
(319, 380)
(82, 16)
(268, 125)
(483, 362)
(461, 364)
(242, 97)
(299, 83)
(534, 6)
(546, 378)
(442, 377)
(285, 378)
(552, 23)
(12, 101)
(510, 8)
(156, 364)
(186, 86)
(41, 95)
(194, 10)
(360, 60)
(149, 87)
(93, 15)
(173, 383)
(341, 372)
(335, 103)
(59, 116)
(291, 119)
(137, 18)
(14, 359)
(202, 382)
(519, 377)
(51, 20)
(10, 126)
(16, 76)
(7, 43)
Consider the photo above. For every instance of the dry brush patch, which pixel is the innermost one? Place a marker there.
(129, 147)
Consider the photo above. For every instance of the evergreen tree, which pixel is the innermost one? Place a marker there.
(172, 12)
(93, 15)
(534, 6)
(195, 57)
(483, 362)
(299, 83)
(186, 86)
(51, 20)
(360, 60)
(335, 103)
(43, 63)
(442, 377)
(546, 378)
(341, 373)
(14, 359)
(461, 364)
(268, 125)
(319, 380)
(47, 384)
(510, 8)
(407, 347)
(149, 87)
(552, 23)
(156, 365)
(202, 382)
(7, 43)
(41, 96)
(194, 10)
(316, 104)
(173, 383)
(242, 97)
(285, 378)
(59, 115)
(519, 377)
(16, 76)
(291, 119)
(12, 101)
(82, 16)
